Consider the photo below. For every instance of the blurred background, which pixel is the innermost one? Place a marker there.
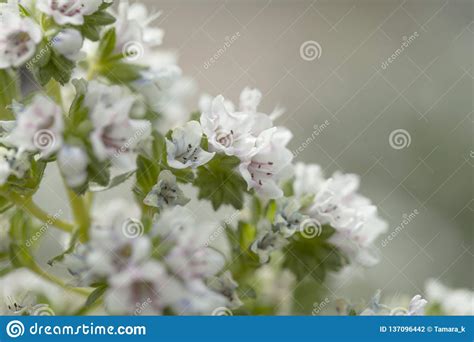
(383, 89)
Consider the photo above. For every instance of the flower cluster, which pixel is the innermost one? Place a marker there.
(113, 112)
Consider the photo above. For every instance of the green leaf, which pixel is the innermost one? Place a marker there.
(219, 183)
(4, 204)
(8, 93)
(313, 256)
(120, 72)
(96, 294)
(117, 180)
(77, 112)
(29, 184)
(107, 44)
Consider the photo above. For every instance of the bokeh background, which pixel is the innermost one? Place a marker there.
(426, 91)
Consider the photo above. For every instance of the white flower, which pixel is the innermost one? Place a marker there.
(68, 43)
(115, 243)
(133, 25)
(166, 92)
(226, 286)
(184, 150)
(309, 179)
(39, 127)
(166, 192)
(269, 163)
(138, 290)
(336, 202)
(73, 161)
(416, 307)
(227, 131)
(458, 302)
(68, 11)
(13, 163)
(173, 223)
(288, 218)
(194, 298)
(115, 135)
(267, 241)
(19, 37)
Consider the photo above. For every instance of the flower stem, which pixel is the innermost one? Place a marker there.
(31, 208)
(34, 267)
(81, 214)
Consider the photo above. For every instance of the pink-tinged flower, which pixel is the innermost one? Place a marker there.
(68, 11)
(184, 148)
(269, 163)
(115, 136)
(19, 37)
(39, 127)
(138, 290)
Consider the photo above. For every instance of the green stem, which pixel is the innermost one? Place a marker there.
(80, 211)
(34, 267)
(31, 207)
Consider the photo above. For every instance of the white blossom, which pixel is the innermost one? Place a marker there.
(19, 36)
(138, 290)
(267, 241)
(184, 148)
(227, 131)
(336, 202)
(268, 164)
(166, 192)
(68, 43)
(416, 307)
(12, 162)
(73, 161)
(115, 136)
(66, 12)
(458, 302)
(134, 25)
(39, 127)
(116, 242)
